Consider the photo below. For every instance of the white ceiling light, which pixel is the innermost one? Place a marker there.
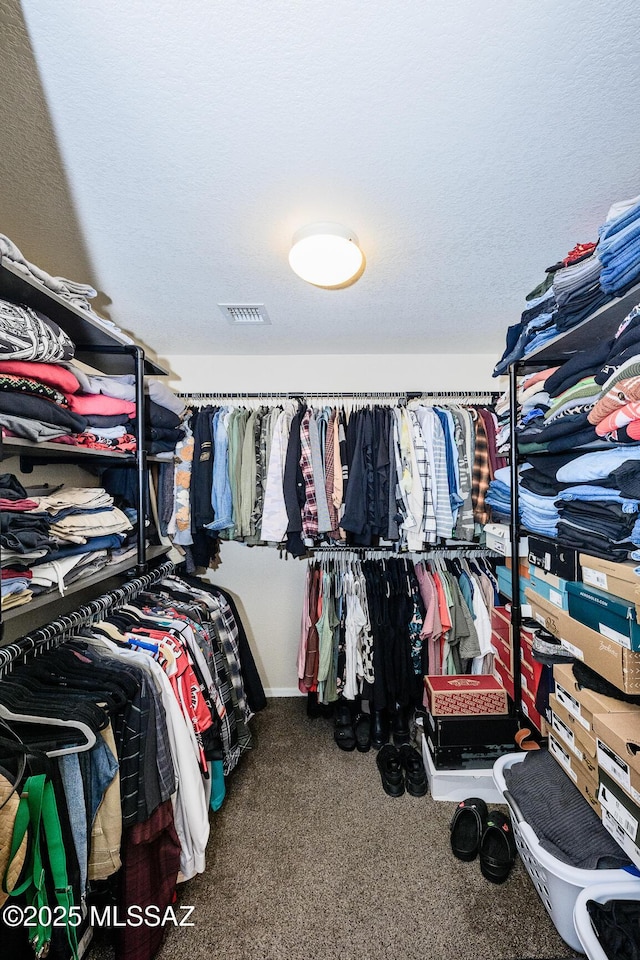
(326, 254)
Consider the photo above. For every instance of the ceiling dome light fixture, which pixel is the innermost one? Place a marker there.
(326, 255)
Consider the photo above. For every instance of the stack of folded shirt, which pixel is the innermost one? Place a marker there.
(569, 294)
(76, 293)
(109, 405)
(538, 511)
(619, 247)
(34, 386)
(54, 539)
(533, 403)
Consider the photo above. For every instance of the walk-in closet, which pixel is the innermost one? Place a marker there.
(320, 487)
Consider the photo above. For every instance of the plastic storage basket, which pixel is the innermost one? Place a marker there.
(557, 883)
(601, 892)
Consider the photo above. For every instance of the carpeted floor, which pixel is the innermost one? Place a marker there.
(309, 858)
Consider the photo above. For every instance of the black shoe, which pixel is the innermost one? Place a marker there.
(313, 707)
(400, 726)
(362, 728)
(497, 847)
(388, 761)
(415, 779)
(467, 828)
(343, 733)
(379, 729)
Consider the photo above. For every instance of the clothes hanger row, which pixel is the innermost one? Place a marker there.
(365, 396)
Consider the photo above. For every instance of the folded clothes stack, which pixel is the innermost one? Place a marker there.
(570, 292)
(619, 247)
(110, 408)
(75, 293)
(588, 278)
(49, 541)
(538, 512)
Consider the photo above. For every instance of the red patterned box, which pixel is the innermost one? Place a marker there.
(464, 695)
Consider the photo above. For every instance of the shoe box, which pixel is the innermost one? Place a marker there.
(458, 742)
(464, 695)
(549, 586)
(618, 754)
(618, 748)
(613, 617)
(552, 557)
(610, 659)
(619, 579)
(587, 785)
(620, 815)
(580, 703)
(498, 539)
(580, 742)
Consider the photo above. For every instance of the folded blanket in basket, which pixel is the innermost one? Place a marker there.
(564, 823)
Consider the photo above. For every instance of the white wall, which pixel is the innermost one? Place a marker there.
(268, 587)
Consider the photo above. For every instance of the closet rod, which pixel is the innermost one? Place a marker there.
(406, 395)
(56, 632)
(450, 550)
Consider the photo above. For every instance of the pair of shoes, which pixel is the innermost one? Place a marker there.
(379, 729)
(476, 830)
(362, 729)
(401, 769)
(343, 731)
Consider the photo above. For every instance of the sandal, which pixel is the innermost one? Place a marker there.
(467, 828)
(525, 740)
(415, 778)
(362, 728)
(388, 761)
(497, 848)
(343, 732)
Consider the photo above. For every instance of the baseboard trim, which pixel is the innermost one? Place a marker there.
(282, 692)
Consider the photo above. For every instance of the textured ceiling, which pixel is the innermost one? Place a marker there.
(168, 151)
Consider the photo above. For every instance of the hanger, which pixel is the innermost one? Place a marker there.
(89, 735)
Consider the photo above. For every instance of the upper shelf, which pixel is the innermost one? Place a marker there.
(601, 325)
(77, 323)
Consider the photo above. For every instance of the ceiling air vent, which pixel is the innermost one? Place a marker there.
(245, 314)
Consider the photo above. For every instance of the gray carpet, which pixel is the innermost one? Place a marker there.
(309, 858)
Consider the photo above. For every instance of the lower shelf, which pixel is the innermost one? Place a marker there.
(48, 606)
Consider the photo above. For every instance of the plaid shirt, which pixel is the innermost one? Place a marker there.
(310, 509)
(481, 471)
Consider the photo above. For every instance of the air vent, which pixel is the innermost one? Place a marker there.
(245, 314)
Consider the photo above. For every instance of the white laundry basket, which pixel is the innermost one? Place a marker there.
(600, 892)
(557, 883)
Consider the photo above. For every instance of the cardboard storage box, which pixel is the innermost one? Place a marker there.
(586, 784)
(579, 741)
(465, 695)
(498, 538)
(553, 558)
(503, 676)
(618, 738)
(523, 565)
(501, 622)
(619, 807)
(613, 617)
(556, 595)
(528, 705)
(608, 658)
(620, 579)
(582, 703)
(502, 649)
(505, 585)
